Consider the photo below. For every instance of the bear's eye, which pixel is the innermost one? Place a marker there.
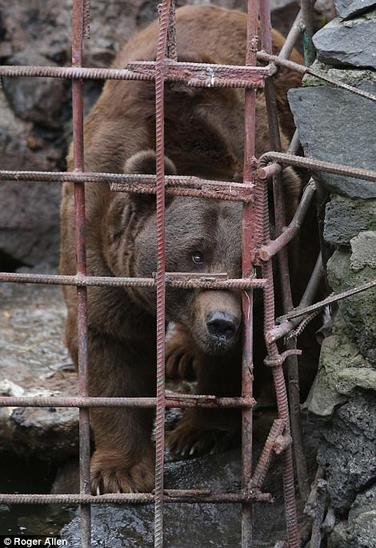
(197, 257)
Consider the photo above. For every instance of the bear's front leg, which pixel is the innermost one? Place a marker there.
(123, 460)
(203, 430)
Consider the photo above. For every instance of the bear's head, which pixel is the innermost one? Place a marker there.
(202, 236)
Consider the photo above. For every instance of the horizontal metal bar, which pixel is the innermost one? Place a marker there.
(317, 165)
(331, 299)
(107, 281)
(273, 247)
(192, 74)
(120, 181)
(172, 401)
(196, 496)
(141, 184)
(208, 75)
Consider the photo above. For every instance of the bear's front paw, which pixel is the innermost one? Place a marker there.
(181, 359)
(189, 438)
(111, 472)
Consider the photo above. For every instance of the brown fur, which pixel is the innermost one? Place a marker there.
(204, 136)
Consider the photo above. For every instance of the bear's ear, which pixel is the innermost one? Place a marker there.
(144, 162)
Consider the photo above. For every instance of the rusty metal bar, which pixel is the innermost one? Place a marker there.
(272, 349)
(294, 144)
(293, 35)
(190, 496)
(325, 302)
(186, 282)
(248, 256)
(80, 244)
(288, 233)
(265, 458)
(192, 74)
(287, 326)
(160, 70)
(268, 57)
(141, 184)
(172, 401)
(317, 165)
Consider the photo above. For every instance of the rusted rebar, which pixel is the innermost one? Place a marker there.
(269, 58)
(80, 244)
(203, 75)
(268, 250)
(186, 282)
(161, 55)
(192, 496)
(172, 401)
(248, 254)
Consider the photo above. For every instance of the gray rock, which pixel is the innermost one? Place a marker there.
(336, 125)
(359, 531)
(363, 251)
(29, 211)
(350, 43)
(348, 450)
(37, 100)
(349, 8)
(358, 311)
(34, 362)
(189, 525)
(342, 369)
(345, 218)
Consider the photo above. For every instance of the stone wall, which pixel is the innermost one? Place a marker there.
(339, 126)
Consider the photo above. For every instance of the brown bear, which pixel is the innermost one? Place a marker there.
(203, 136)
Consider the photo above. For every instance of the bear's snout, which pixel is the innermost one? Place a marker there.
(222, 327)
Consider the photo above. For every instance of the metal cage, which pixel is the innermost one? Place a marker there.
(284, 436)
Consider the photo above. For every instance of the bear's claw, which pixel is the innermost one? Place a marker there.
(189, 439)
(110, 474)
(180, 356)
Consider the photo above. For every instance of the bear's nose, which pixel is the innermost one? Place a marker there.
(222, 325)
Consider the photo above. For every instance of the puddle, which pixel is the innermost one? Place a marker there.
(31, 476)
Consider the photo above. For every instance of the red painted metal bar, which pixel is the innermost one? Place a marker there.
(80, 242)
(161, 271)
(248, 255)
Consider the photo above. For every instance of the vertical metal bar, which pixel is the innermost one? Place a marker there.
(161, 271)
(269, 305)
(287, 303)
(248, 254)
(80, 242)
